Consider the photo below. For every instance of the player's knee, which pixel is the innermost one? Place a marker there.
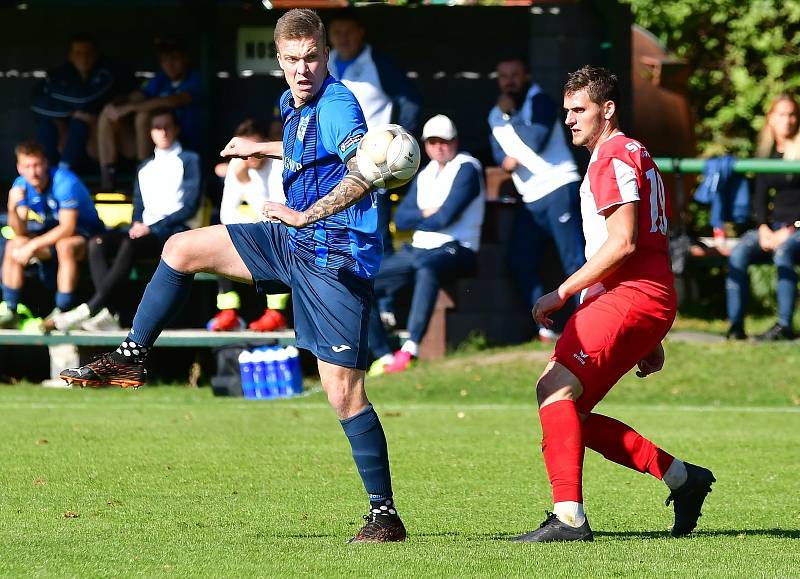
(66, 248)
(426, 275)
(177, 252)
(549, 389)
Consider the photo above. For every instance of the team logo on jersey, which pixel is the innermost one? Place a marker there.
(581, 357)
(350, 141)
(301, 128)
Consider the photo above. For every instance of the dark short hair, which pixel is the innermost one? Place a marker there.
(251, 128)
(30, 149)
(170, 45)
(300, 23)
(347, 14)
(514, 57)
(164, 111)
(599, 83)
(82, 38)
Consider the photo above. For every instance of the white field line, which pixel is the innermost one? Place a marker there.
(20, 404)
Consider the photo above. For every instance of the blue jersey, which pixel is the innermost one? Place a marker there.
(318, 139)
(189, 115)
(65, 191)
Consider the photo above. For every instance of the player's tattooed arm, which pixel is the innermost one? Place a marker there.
(352, 188)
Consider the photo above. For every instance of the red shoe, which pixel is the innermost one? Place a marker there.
(225, 321)
(402, 362)
(270, 321)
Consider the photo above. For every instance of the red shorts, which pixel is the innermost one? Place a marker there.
(608, 335)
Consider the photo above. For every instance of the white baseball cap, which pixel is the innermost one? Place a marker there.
(440, 127)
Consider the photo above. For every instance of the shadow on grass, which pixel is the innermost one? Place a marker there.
(618, 535)
(740, 533)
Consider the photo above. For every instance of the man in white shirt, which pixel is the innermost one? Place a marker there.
(528, 142)
(166, 195)
(381, 88)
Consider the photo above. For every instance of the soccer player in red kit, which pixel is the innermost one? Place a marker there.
(628, 305)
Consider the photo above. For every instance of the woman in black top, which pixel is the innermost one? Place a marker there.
(777, 238)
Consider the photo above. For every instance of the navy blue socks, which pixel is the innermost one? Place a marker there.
(163, 298)
(65, 300)
(365, 433)
(11, 297)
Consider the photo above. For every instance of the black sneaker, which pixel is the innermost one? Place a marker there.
(689, 499)
(380, 529)
(554, 530)
(735, 332)
(776, 333)
(104, 369)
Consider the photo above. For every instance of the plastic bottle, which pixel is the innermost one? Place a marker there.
(284, 373)
(246, 373)
(271, 371)
(297, 372)
(260, 374)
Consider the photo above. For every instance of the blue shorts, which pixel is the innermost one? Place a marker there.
(331, 306)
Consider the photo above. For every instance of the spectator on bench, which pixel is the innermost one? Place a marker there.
(444, 206)
(528, 141)
(777, 238)
(68, 101)
(253, 180)
(124, 126)
(51, 215)
(166, 195)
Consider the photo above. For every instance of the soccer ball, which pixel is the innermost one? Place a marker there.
(388, 156)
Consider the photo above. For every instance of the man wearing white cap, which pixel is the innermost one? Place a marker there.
(444, 207)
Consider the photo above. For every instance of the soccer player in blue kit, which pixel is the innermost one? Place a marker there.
(323, 244)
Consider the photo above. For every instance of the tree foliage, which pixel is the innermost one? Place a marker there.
(741, 54)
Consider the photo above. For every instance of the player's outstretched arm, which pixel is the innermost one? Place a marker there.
(243, 148)
(352, 188)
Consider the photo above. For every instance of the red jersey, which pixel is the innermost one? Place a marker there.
(622, 171)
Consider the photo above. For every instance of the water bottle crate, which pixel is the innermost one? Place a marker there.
(270, 372)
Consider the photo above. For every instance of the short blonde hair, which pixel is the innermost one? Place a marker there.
(766, 140)
(300, 23)
(30, 149)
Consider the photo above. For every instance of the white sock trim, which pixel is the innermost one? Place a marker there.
(411, 347)
(676, 475)
(570, 513)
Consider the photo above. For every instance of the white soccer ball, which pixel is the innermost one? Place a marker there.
(388, 156)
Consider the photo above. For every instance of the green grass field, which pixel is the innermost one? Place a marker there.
(168, 481)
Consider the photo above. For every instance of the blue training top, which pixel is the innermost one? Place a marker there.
(188, 115)
(318, 139)
(65, 191)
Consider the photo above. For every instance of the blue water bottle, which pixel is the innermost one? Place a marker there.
(271, 371)
(246, 373)
(260, 374)
(284, 373)
(297, 372)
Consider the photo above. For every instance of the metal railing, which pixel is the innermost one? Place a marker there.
(675, 165)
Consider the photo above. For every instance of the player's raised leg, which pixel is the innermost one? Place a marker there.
(207, 249)
(688, 484)
(345, 390)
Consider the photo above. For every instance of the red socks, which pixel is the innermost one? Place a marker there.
(562, 446)
(620, 443)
